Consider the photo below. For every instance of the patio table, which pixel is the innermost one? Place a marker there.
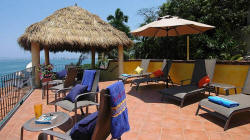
(226, 87)
(30, 125)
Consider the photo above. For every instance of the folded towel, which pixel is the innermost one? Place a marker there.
(84, 128)
(126, 75)
(119, 121)
(223, 101)
(88, 78)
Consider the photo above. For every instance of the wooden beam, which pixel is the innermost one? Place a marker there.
(120, 59)
(46, 54)
(92, 57)
(35, 53)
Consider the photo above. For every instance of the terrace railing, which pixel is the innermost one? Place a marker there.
(14, 89)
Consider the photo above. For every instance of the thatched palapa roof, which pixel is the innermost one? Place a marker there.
(73, 29)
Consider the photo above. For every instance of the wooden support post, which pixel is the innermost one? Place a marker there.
(93, 58)
(35, 52)
(120, 59)
(46, 54)
(187, 47)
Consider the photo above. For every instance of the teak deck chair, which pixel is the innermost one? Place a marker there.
(103, 125)
(82, 100)
(144, 65)
(166, 65)
(201, 69)
(225, 113)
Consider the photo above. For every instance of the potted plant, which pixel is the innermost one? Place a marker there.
(46, 73)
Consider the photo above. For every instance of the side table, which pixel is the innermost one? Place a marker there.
(30, 125)
(45, 87)
(226, 87)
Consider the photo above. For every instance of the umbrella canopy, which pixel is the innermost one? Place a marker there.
(171, 26)
(29, 65)
(73, 29)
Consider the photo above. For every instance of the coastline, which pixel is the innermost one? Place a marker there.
(11, 65)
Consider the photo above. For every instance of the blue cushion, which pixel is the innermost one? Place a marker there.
(61, 74)
(84, 128)
(77, 89)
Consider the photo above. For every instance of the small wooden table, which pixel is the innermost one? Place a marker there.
(30, 125)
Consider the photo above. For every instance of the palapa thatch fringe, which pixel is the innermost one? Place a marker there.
(73, 29)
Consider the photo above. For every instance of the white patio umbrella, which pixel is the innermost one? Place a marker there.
(172, 26)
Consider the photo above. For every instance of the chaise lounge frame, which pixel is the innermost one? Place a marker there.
(229, 112)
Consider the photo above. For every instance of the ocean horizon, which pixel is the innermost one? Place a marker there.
(11, 65)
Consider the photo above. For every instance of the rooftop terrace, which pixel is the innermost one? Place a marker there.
(149, 118)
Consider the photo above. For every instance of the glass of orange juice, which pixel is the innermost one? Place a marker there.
(38, 110)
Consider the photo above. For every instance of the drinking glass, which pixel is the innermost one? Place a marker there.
(38, 110)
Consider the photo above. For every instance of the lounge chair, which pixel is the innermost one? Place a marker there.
(225, 113)
(103, 125)
(67, 84)
(144, 73)
(166, 65)
(82, 100)
(201, 69)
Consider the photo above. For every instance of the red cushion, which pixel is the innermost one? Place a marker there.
(158, 73)
(203, 81)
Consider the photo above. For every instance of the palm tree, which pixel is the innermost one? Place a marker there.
(118, 21)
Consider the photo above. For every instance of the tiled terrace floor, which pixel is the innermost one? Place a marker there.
(149, 117)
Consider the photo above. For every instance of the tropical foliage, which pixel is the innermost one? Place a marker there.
(118, 21)
(81, 58)
(226, 41)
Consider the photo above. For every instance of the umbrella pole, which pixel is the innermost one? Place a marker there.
(187, 47)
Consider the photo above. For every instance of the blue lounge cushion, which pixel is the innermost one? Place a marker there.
(223, 101)
(76, 90)
(119, 121)
(84, 128)
(88, 78)
(61, 74)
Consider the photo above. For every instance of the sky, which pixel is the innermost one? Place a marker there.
(17, 15)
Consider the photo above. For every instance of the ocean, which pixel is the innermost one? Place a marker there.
(11, 65)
